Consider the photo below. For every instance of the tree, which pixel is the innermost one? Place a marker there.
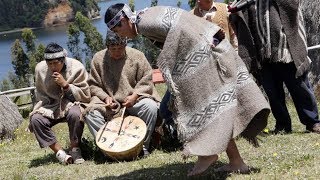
(74, 41)
(20, 60)
(179, 3)
(192, 3)
(150, 50)
(36, 57)
(92, 38)
(154, 3)
(131, 5)
(28, 37)
(5, 85)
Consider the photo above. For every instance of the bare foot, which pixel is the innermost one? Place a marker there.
(241, 168)
(202, 164)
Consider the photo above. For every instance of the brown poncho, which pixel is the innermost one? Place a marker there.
(119, 79)
(51, 101)
(215, 98)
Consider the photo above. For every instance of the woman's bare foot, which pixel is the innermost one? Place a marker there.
(202, 164)
(237, 168)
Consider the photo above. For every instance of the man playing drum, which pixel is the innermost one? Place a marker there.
(121, 76)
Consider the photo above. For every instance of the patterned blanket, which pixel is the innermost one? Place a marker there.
(215, 99)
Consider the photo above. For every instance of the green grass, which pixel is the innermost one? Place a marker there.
(290, 156)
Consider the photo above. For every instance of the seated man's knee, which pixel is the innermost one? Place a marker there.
(150, 105)
(35, 121)
(74, 113)
(93, 116)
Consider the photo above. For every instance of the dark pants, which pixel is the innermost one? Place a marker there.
(41, 127)
(166, 116)
(164, 111)
(273, 77)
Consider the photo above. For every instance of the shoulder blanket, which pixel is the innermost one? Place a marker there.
(214, 96)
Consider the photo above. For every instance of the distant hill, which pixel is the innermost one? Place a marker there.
(38, 13)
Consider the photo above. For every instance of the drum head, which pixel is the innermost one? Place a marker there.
(132, 133)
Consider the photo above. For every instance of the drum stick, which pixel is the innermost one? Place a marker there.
(124, 109)
(104, 128)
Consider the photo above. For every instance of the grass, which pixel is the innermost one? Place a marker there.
(290, 156)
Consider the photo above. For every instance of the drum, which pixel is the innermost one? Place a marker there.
(122, 138)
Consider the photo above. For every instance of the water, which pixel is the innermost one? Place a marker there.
(58, 34)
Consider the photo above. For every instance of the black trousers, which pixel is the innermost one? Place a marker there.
(273, 76)
(41, 127)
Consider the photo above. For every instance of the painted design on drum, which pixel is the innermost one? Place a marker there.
(122, 132)
(103, 139)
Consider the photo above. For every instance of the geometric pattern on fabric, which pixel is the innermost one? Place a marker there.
(169, 16)
(222, 100)
(200, 118)
(192, 60)
(242, 76)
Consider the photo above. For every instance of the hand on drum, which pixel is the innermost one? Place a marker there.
(110, 103)
(130, 100)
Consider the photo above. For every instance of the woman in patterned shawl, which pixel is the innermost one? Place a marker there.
(213, 95)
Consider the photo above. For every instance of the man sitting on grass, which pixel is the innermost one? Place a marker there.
(121, 76)
(61, 83)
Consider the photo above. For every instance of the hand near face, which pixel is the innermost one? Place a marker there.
(110, 103)
(130, 100)
(59, 79)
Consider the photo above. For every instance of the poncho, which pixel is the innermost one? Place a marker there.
(215, 99)
(51, 100)
(119, 79)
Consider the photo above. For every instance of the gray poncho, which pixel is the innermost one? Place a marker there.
(119, 79)
(214, 96)
(52, 102)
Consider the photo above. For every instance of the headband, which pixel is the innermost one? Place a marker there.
(133, 16)
(56, 55)
(117, 18)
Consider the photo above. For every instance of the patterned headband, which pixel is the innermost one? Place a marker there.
(117, 18)
(57, 55)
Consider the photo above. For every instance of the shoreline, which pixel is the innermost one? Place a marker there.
(33, 28)
(17, 30)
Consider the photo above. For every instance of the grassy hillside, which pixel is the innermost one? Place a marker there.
(291, 156)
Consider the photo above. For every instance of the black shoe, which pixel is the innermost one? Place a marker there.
(315, 128)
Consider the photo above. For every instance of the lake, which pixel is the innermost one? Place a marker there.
(58, 34)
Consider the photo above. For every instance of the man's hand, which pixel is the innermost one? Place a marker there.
(129, 101)
(110, 103)
(59, 79)
(220, 35)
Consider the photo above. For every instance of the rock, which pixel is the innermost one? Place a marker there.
(60, 15)
(10, 118)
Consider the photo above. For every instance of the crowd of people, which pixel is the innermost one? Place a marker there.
(207, 59)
